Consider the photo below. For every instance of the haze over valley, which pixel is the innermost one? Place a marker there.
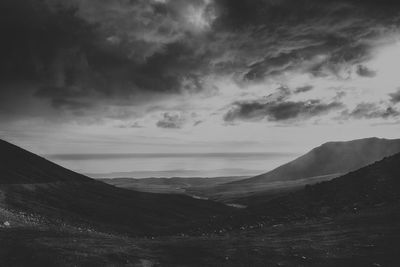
(171, 165)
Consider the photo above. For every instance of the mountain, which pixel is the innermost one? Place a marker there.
(375, 185)
(332, 158)
(29, 183)
(322, 163)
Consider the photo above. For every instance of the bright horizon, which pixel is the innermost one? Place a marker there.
(171, 165)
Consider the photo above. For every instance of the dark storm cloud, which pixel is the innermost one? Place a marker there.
(365, 72)
(82, 54)
(34, 35)
(241, 14)
(70, 104)
(170, 121)
(311, 49)
(395, 97)
(303, 89)
(371, 111)
(316, 37)
(278, 111)
(76, 58)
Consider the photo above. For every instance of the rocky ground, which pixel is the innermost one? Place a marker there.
(368, 238)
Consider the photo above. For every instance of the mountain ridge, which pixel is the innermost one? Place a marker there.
(331, 158)
(374, 185)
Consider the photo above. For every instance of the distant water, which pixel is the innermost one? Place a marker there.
(171, 165)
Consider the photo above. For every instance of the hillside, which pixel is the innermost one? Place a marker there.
(332, 158)
(32, 184)
(322, 163)
(375, 185)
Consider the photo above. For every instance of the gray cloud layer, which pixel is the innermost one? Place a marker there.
(170, 121)
(395, 97)
(278, 110)
(88, 53)
(371, 111)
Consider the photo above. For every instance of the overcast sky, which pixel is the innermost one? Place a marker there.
(159, 76)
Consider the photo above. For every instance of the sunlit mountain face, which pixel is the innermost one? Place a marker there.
(197, 76)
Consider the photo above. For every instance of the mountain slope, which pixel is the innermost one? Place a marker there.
(322, 163)
(371, 186)
(35, 185)
(331, 158)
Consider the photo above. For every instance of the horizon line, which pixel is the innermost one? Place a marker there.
(94, 156)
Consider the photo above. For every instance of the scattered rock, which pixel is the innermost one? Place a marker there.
(7, 224)
(145, 263)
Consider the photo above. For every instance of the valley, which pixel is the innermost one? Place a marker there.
(50, 216)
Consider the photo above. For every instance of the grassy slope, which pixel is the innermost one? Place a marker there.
(170, 185)
(33, 184)
(374, 185)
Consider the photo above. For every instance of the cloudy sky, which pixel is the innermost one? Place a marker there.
(197, 76)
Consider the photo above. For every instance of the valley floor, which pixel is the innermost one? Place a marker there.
(368, 238)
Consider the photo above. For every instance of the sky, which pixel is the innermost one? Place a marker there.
(197, 76)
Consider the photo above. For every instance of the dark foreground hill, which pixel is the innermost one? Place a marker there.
(32, 184)
(325, 162)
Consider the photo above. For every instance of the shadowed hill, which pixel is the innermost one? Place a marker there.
(35, 185)
(331, 158)
(18, 166)
(374, 185)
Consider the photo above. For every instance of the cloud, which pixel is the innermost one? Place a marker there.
(281, 93)
(242, 14)
(319, 54)
(303, 89)
(85, 57)
(98, 51)
(171, 121)
(395, 97)
(370, 111)
(363, 71)
(278, 110)
(197, 123)
(35, 35)
(130, 125)
(321, 38)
